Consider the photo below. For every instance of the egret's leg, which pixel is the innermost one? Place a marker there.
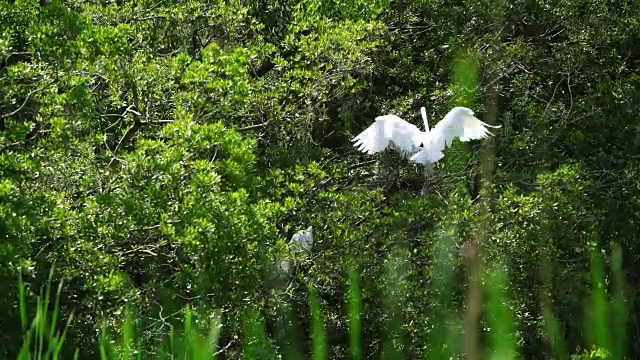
(428, 169)
(428, 172)
(382, 174)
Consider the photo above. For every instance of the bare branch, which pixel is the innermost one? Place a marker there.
(570, 93)
(127, 135)
(161, 121)
(4, 63)
(139, 251)
(224, 348)
(152, 17)
(361, 164)
(257, 126)
(26, 100)
(136, 122)
(153, 226)
(552, 97)
(127, 110)
(113, 156)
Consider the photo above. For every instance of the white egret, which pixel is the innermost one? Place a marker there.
(303, 239)
(423, 147)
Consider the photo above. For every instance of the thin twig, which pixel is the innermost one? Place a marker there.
(27, 140)
(127, 135)
(138, 250)
(153, 226)
(361, 164)
(570, 93)
(152, 17)
(257, 126)
(552, 97)
(162, 121)
(6, 59)
(223, 349)
(25, 101)
(113, 156)
(136, 122)
(164, 318)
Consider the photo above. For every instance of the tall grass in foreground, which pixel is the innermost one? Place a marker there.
(605, 319)
(41, 341)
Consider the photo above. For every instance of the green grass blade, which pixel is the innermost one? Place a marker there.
(552, 328)
(440, 345)
(319, 341)
(104, 343)
(499, 317)
(619, 307)
(56, 310)
(355, 309)
(24, 353)
(394, 299)
(62, 338)
(37, 324)
(42, 328)
(22, 301)
(465, 79)
(172, 345)
(127, 335)
(214, 333)
(255, 346)
(597, 324)
(187, 332)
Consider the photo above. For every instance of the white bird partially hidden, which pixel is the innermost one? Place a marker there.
(300, 241)
(303, 239)
(423, 147)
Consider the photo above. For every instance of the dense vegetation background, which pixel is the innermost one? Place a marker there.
(161, 153)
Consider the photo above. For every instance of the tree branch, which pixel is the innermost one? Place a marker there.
(25, 101)
(21, 55)
(251, 127)
(268, 66)
(136, 121)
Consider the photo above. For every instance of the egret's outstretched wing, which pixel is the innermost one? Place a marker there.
(387, 129)
(459, 123)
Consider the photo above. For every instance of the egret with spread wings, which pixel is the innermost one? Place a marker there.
(423, 147)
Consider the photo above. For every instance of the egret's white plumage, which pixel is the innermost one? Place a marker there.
(303, 239)
(300, 241)
(422, 147)
(387, 130)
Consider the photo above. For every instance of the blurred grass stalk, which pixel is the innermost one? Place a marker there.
(464, 84)
(355, 309)
(41, 340)
(605, 319)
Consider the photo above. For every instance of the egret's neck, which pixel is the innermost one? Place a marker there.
(424, 118)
